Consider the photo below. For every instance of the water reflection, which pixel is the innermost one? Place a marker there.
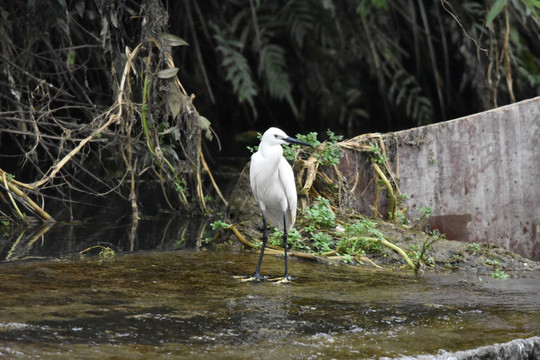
(60, 239)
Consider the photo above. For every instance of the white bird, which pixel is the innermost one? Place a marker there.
(274, 189)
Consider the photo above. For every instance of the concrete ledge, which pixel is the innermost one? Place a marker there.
(480, 174)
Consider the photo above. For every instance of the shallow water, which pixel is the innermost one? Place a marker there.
(188, 304)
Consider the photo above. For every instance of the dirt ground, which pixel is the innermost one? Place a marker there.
(443, 255)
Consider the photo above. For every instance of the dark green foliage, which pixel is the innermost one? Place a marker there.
(363, 65)
(353, 66)
(238, 72)
(273, 69)
(327, 154)
(406, 93)
(332, 152)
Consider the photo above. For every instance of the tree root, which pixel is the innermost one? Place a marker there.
(315, 180)
(331, 256)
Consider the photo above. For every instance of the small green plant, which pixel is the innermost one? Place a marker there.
(310, 138)
(322, 241)
(492, 262)
(294, 239)
(500, 274)
(5, 227)
(401, 217)
(419, 253)
(289, 151)
(425, 212)
(208, 211)
(377, 154)
(219, 225)
(208, 198)
(331, 153)
(320, 215)
(401, 212)
(474, 247)
(347, 258)
(107, 254)
(180, 186)
(402, 196)
(321, 219)
(255, 148)
(414, 252)
(358, 238)
(276, 238)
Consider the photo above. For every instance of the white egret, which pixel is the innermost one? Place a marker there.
(272, 184)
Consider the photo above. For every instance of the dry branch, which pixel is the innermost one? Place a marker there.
(66, 128)
(12, 187)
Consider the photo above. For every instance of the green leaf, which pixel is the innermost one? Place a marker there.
(535, 3)
(532, 7)
(495, 11)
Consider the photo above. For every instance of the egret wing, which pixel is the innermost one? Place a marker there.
(286, 177)
(255, 169)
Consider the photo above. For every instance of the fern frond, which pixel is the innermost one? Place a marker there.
(273, 68)
(237, 70)
(300, 19)
(406, 91)
(313, 19)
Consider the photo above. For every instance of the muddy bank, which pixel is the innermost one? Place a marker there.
(441, 255)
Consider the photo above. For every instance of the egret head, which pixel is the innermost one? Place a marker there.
(275, 136)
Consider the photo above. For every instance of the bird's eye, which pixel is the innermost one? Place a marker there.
(276, 136)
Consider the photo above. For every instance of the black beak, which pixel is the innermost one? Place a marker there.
(292, 140)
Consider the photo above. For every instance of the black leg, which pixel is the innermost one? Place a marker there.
(257, 275)
(286, 277)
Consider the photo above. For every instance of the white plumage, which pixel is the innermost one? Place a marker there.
(273, 186)
(272, 180)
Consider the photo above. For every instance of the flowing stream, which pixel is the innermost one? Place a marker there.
(161, 296)
(188, 304)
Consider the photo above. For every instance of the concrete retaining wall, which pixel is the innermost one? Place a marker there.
(480, 174)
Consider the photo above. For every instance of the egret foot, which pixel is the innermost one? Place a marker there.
(244, 278)
(283, 280)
